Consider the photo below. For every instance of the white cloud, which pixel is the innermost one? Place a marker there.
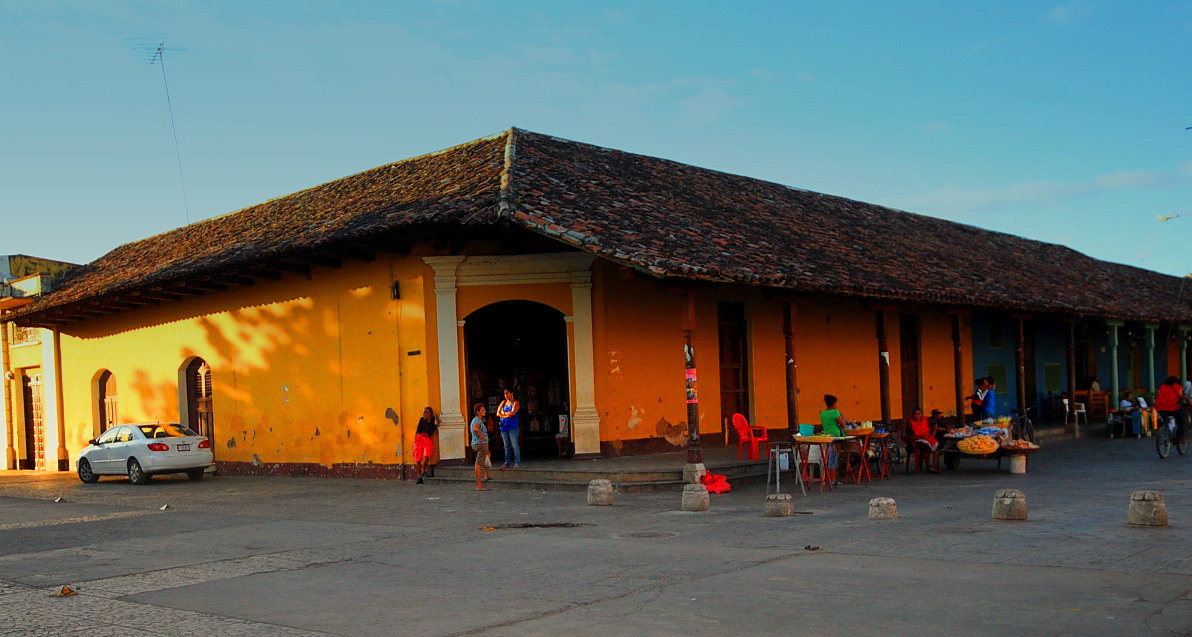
(955, 199)
(705, 108)
(1069, 12)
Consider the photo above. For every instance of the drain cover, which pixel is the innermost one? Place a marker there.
(646, 535)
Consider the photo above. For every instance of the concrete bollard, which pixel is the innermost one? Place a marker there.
(779, 505)
(1147, 508)
(883, 509)
(694, 472)
(600, 493)
(1018, 463)
(695, 497)
(1009, 504)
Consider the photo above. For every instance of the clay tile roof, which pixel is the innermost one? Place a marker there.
(658, 216)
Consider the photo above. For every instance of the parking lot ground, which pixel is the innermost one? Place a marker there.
(251, 555)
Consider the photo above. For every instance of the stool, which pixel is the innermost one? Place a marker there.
(804, 452)
(774, 463)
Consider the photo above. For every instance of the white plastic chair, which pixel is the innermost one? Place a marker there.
(1075, 413)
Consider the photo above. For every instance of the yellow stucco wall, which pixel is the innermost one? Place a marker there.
(303, 370)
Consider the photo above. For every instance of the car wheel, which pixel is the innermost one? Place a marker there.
(85, 473)
(136, 474)
(195, 474)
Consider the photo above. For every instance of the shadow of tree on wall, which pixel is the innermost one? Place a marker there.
(304, 380)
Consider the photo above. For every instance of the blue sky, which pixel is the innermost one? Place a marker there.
(1058, 121)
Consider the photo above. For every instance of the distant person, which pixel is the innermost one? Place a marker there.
(919, 435)
(976, 399)
(1168, 402)
(507, 411)
(989, 400)
(833, 423)
(479, 442)
(1095, 384)
(424, 441)
(1127, 404)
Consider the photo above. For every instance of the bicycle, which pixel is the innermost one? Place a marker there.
(1023, 428)
(1165, 439)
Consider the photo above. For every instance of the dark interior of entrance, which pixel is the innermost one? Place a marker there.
(519, 345)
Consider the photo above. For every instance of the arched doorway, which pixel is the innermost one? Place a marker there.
(105, 401)
(196, 377)
(520, 345)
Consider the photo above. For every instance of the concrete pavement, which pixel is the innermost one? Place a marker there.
(251, 555)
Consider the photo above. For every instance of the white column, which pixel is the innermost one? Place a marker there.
(50, 363)
(453, 427)
(585, 421)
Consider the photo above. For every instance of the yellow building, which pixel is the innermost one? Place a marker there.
(305, 335)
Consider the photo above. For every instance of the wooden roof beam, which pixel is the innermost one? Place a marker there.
(261, 273)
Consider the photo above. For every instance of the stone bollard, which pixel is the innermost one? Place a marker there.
(883, 509)
(1018, 463)
(695, 497)
(1009, 504)
(693, 472)
(600, 493)
(779, 505)
(1147, 508)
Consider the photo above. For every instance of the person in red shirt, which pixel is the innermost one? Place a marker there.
(1167, 403)
(920, 435)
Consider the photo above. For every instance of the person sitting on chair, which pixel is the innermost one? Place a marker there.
(920, 439)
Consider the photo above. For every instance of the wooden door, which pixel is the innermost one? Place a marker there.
(107, 401)
(35, 427)
(198, 398)
(908, 345)
(734, 361)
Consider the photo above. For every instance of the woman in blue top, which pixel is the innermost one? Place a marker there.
(507, 412)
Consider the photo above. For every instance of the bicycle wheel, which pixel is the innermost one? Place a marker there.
(1163, 441)
(1029, 430)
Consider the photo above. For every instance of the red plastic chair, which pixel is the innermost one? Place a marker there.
(747, 434)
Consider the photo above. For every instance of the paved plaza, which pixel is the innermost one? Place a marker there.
(289, 556)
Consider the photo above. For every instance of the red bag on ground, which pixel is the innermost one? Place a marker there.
(716, 483)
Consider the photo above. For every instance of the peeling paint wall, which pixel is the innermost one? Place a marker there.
(304, 371)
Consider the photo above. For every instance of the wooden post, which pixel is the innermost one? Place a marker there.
(883, 365)
(1020, 362)
(792, 386)
(958, 368)
(694, 453)
(1150, 359)
(1071, 428)
(1184, 351)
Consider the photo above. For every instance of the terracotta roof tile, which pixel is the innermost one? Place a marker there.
(662, 217)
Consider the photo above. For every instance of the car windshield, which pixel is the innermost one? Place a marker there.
(165, 431)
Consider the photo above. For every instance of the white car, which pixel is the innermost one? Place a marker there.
(143, 449)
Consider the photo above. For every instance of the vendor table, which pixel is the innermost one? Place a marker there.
(804, 445)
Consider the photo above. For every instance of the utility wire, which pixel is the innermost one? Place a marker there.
(174, 129)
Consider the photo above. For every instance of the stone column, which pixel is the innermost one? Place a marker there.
(585, 420)
(52, 381)
(453, 427)
(10, 451)
(1113, 354)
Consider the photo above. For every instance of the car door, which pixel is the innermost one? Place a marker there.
(120, 450)
(101, 456)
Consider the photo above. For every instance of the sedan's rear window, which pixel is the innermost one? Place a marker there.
(166, 431)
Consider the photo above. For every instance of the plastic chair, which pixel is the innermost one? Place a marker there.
(748, 434)
(1075, 413)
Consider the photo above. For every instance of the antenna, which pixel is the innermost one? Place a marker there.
(152, 50)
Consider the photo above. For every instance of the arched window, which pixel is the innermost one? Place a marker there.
(199, 415)
(106, 408)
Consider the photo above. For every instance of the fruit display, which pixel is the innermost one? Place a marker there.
(978, 445)
(858, 431)
(1019, 445)
(963, 432)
